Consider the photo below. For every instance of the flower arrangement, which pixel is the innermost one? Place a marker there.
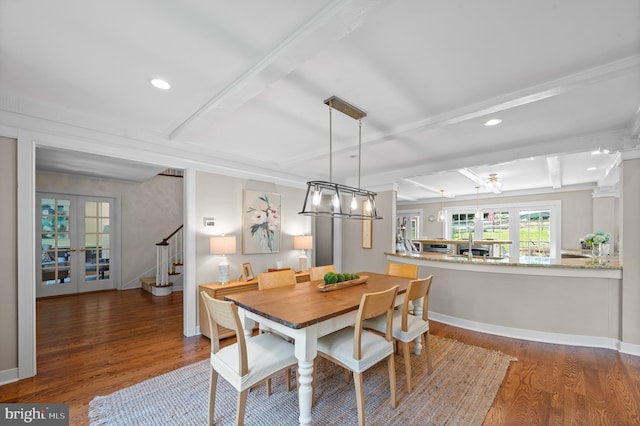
(597, 237)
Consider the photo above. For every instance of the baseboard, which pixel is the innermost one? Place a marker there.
(630, 348)
(8, 376)
(535, 336)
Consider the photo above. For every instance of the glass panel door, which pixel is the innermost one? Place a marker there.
(97, 244)
(76, 235)
(56, 237)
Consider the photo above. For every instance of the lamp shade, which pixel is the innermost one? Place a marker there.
(222, 244)
(302, 242)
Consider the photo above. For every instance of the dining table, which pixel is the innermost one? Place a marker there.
(305, 313)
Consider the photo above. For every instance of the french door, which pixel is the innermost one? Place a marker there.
(75, 239)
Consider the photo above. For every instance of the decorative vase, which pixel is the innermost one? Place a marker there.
(596, 250)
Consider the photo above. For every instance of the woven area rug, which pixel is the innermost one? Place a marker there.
(459, 391)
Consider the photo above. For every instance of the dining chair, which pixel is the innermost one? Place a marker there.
(403, 270)
(407, 327)
(357, 350)
(246, 362)
(317, 272)
(274, 279)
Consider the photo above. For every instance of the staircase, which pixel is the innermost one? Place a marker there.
(168, 260)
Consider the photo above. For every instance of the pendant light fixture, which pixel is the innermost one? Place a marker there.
(494, 183)
(441, 212)
(478, 215)
(325, 198)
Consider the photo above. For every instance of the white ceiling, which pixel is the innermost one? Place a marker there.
(249, 80)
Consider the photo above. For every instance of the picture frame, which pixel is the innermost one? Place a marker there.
(261, 222)
(367, 233)
(247, 271)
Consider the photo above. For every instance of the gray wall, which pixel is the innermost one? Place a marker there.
(8, 256)
(354, 257)
(577, 213)
(220, 197)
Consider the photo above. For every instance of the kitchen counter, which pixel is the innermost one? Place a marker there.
(574, 301)
(612, 263)
(609, 267)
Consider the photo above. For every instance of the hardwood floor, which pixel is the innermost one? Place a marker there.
(96, 343)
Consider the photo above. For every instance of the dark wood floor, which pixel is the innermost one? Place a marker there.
(94, 344)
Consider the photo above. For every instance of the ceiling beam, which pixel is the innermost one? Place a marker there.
(555, 171)
(551, 88)
(471, 176)
(335, 21)
(421, 185)
(635, 125)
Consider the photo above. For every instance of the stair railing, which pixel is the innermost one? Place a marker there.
(168, 256)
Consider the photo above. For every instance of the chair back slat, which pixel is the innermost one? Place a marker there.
(417, 289)
(317, 272)
(372, 305)
(404, 270)
(281, 278)
(226, 315)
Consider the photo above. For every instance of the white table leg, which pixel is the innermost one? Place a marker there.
(247, 323)
(417, 311)
(306, 350)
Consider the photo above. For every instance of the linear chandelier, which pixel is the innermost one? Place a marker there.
(325, 198)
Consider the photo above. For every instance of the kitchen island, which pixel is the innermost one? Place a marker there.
(574, 301)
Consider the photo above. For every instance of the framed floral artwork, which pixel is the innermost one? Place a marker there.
(260, 222)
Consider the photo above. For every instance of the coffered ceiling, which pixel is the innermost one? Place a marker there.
(248, 80)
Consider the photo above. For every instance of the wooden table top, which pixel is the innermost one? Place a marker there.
(303, 304)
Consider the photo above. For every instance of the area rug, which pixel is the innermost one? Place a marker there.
(459, 391)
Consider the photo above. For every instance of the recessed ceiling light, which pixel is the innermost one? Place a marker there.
(600, 151)
(590, 169)
(493, 122)
(160, 84)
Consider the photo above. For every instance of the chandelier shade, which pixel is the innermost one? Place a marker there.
(494, 183)
(327, 198)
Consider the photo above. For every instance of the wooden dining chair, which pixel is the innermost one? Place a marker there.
(280, 278)
(358, 350)
(274, 279)
(317, 272)
(246, 362)
(403, 270)
(407, 327)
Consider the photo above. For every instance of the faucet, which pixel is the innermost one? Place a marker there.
(470, 251)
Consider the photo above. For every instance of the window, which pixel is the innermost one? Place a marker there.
(533, 228)
(535, 234)
(495, 226)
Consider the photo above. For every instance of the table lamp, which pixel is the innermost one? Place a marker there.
(303, 242)
(223, 245)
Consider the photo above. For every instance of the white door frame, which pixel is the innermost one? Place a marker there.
(26, 159)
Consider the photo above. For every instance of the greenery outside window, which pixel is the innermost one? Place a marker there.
(533, 228)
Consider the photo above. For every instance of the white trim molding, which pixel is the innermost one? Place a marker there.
(536, 336)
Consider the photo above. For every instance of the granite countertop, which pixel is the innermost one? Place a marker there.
(609, 262)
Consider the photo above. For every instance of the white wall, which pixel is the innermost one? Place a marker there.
(150, 211)
(220, 197)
